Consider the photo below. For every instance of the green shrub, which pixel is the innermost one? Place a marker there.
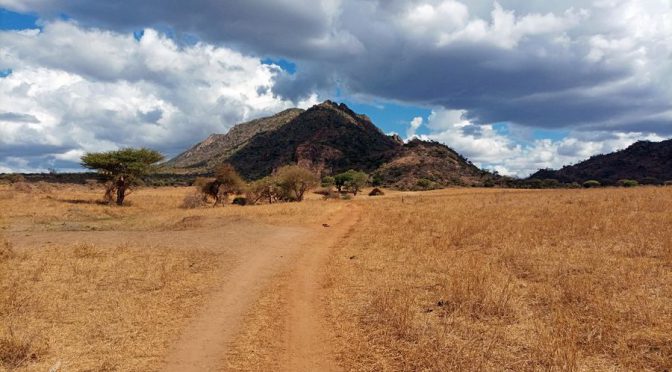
(376, 181)
(649, 181)
(627, 183)
(425, 184)
(328, 182)
(591, 183)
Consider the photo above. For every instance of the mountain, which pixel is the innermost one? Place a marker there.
(330, 138)
(217, 148)
(327, 138)
(644, 161)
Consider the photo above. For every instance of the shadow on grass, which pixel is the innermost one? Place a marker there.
(81, 201)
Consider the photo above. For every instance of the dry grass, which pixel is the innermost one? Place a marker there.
(497, 280)
(78, 208)
(106, 306)
(461, 279)
(89, 308)
(109, 306)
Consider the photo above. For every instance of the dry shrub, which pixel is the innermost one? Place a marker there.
(23, 187)
(193, 200)
(15, 351)
(6, 250)
(503, 280)
(44, 187)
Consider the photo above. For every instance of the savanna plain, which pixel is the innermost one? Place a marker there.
(455, 279)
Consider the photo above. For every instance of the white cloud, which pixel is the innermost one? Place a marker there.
(413, 127)
(508, 155)
(91, 90)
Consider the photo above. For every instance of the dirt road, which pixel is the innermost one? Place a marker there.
(256, 258)
(296, 256)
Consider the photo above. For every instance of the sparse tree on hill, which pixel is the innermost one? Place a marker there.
(294, 181)
(121, 168)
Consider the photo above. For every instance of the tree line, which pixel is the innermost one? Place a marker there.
(123, 169)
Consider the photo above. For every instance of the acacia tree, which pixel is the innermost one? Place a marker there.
(121, 168)
(353, 181)
(294, 181)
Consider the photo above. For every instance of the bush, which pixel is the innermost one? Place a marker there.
(293, 181)
(649, 181)
(15, 178)
(376, 192)
(328, 181)
(351, 181)
(227, 181)
(627, 183)
(193, 200)
(263, 190)
(591, 183)
(6, 251)
(424, 184)
(323, 191)
(22, 187)
(239, 200)
(376, 181)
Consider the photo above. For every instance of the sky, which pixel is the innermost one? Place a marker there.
(513, 85)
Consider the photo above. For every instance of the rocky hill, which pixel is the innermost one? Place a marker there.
(327, 138)
(422, 164)
(217, 148)
(644, 161)
(330, 138)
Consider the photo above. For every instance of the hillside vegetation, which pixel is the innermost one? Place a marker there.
(645, 162)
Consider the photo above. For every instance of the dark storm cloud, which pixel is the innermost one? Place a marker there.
(530, 78)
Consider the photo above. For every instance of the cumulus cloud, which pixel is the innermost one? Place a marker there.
(74, 89)
(591, 68)
(508, 155)
(413, 127)
(598, 65)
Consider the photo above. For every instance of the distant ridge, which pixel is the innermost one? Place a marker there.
(644, 161)
(330, 138)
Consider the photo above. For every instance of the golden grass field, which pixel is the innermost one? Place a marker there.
(501, 280)
(457, 279)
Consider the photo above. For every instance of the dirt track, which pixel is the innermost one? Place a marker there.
(256, 258)
(204, 345)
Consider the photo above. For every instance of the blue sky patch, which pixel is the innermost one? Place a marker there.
(17, 21)
(391, 117)
(6, 72)
(286, 65)
(137, 35)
